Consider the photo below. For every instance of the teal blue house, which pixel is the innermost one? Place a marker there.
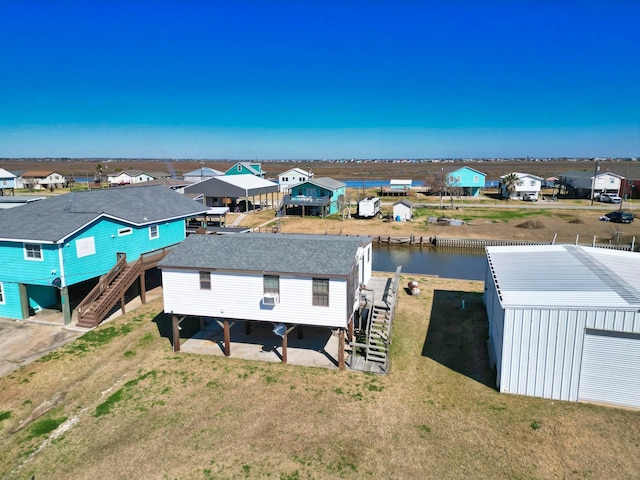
(466, 180)
(246, 168)
(51, 250)
(317, 197)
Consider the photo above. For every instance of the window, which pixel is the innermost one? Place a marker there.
(32, 251)
(239, 168)
(321, 292)
(124, 231)
(612, 180)
(153, 232)
(205, 280)
(271, 284)
(532, 183)
(476, 179)
(1, 294)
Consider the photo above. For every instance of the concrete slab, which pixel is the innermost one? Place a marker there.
(22, 342)
(318, 348)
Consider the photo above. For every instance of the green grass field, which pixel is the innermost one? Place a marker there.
(118, 403)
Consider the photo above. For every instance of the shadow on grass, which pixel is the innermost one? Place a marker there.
(457, 336)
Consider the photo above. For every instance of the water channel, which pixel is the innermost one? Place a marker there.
(446, 263)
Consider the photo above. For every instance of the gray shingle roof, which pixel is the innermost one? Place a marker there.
(55, 218)
(326, 182)
(276, 253)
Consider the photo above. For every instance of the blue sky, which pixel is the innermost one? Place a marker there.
(319, 79)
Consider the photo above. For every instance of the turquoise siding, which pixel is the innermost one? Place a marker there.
(42, 297)
(239, 169)
(467, 178)
(108, 243)
(11, 308)
(311, 190)
(38, 275)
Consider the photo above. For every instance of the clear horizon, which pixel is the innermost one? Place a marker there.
(288, 80)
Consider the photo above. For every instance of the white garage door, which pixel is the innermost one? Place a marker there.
(610, 370)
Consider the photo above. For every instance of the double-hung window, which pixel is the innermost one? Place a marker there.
(205, 280)
(32, 251)
(153, 232)
(321, 292)
(271, 284)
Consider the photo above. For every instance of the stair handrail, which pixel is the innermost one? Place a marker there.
(104, 281)
(123, 284)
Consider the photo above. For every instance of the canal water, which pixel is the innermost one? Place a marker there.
(446, 263)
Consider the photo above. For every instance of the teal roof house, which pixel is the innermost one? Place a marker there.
(316, 197)
(246, 168)
(465, 181)
(58, 248)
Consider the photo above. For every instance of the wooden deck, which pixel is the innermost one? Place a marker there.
(372, 356)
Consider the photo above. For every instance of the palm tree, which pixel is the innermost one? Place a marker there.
(98, 176)
(510, 181)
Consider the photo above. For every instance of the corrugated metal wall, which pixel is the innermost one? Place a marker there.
(542, 348)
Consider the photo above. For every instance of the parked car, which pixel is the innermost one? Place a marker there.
(609, 198)
(530, 197)
(618, 217)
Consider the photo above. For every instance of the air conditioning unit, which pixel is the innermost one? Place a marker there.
(271, 299)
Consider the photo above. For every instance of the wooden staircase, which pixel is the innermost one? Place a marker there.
(106, 294)
(378, 334)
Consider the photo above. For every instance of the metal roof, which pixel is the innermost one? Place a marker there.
(329, 255)
(234, 186)
(55, 218)
(565, 277)
(323, 182)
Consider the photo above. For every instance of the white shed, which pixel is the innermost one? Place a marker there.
(564, 322)
(403, 210)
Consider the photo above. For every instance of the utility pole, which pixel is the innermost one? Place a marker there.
(593, 181)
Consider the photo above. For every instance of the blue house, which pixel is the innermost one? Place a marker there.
(317, 196)
(7, 182)
(53, 251)
(244, 168)
(467, 181)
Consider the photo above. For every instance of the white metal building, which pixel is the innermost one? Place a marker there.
(403, 210)
(564, 322)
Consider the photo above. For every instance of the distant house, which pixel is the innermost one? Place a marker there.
(7, 182)
(200, 174)
(246, 168)
(580, 183)
(397, 187)
(292, 177)
(59, 246)
(403, 210)
(293, 280)
(238, 192)
(128, 177)
(41, 180)
(465, 181)
(630, 188)
(527, 187)
(316, 197)
(570, 335)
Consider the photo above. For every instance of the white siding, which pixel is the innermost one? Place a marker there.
(611, 368)
(542, 348)
(239, 296)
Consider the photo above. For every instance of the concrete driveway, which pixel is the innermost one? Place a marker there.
(22, 342)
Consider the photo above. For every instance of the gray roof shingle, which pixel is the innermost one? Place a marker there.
(53, 219)
(263, 252)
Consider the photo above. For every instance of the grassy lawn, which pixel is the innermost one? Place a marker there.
(118, 403)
